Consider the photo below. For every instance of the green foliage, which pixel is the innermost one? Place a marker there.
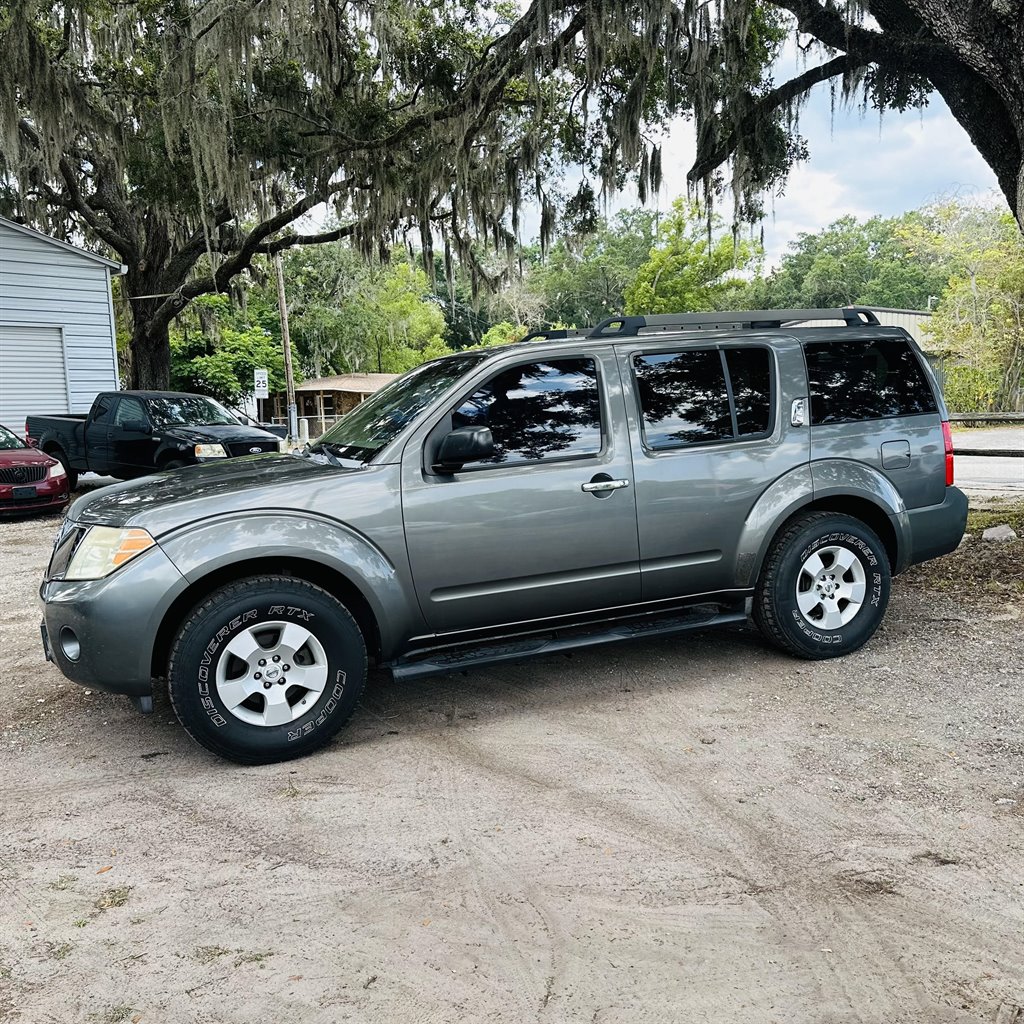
(693, 266)
(851, 262)
(216, 347)
(979, 322)
(503, 333)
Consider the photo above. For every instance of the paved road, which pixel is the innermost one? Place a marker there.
(988, 474)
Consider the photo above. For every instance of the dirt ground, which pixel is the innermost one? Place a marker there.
(691, 830)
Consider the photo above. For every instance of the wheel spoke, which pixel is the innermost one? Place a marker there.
(813, 565)
(854, 592)
(235, 691)
(292, 639)
(807, 601)
(243, 645)
(312, 677)
(845, 559)
(277, 710)
(832, 619)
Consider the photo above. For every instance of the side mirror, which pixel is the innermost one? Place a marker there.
(137, 427)
(465, 444)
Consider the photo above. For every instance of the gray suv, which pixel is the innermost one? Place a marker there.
(654, 475)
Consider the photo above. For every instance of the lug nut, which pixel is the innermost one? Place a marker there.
(287, 668)
(258, 675)
(277, 657)
(266, 686)
(263, 661)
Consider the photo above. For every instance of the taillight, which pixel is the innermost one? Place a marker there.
(947, 439)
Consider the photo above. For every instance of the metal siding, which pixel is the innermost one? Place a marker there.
(45, 286)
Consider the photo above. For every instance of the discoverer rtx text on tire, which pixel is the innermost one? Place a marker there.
(824, 586)
(267, 669)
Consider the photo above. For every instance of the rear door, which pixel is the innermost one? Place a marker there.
(545, 528)
(96, 435)
(711, 431)
(871, 401)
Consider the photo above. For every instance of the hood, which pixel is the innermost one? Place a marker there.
(220, 433)
(165, 501)
(24, 457)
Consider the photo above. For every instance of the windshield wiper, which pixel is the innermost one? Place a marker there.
(327, 451)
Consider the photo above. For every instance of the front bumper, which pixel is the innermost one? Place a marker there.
(937, 529)
(114, 622)
(50, 495)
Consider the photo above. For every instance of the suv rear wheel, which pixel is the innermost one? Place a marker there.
(824, 586)
(267, 669)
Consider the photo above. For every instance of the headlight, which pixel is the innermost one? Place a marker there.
(210, 451)
(56, 471)
(104, 549)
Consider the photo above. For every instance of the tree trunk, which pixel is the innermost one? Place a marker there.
(151, 356)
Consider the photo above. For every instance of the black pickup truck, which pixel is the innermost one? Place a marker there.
(128, 434)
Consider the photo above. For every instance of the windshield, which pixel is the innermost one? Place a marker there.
(10, 440)
(192, 410)
(369, 427)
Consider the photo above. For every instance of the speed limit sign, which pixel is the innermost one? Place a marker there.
(261, 381)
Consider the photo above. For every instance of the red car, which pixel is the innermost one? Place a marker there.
(30, 480)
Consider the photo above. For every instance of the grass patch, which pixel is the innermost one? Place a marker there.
(254, 957)
(995, 513)
(63, 882)
(60, 950)
(113, 898)
(207, 954)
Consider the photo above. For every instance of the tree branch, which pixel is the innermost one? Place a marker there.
(705, 163)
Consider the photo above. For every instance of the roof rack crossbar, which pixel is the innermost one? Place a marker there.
(748, 319)
(556, 333)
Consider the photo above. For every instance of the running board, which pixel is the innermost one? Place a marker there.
(439, 661)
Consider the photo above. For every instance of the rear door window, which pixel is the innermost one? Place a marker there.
(697, 396)
(865, 380)
(538, 411)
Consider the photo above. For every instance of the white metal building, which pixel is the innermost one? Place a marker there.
(911, 320)
(57, 337)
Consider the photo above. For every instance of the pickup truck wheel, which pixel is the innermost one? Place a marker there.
(267, 669)
(824, 587)
(72, 474)
(174, 464)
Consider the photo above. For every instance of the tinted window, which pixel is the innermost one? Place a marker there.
(857, 380)
(191, 410)
(101, 409)
(538, 411)
(683, 397)
(129, 409)
(751, 378)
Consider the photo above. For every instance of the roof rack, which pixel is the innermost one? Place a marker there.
(555, 333)
(749, 319)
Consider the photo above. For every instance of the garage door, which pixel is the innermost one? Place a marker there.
(32, 377)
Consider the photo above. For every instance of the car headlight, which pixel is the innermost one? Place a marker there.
(104, 549)
(56, 471)
(210, 451)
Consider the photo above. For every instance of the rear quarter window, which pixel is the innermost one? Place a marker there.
(865, 380)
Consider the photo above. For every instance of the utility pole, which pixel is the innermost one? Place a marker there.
(282, 305)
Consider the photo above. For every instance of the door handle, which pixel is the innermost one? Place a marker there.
(603, 485)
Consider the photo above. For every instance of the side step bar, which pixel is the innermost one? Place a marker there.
(456, 659)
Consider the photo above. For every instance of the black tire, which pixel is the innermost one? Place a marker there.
(174, 464)
(72, 474)
(776, 609)
(200, 647)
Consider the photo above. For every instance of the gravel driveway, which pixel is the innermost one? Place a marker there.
(691, 830)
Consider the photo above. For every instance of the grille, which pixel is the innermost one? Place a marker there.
(242, 447)
(22, 474)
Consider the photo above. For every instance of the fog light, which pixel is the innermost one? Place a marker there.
(69, 643)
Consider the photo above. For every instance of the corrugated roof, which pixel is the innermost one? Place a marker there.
(361, 383)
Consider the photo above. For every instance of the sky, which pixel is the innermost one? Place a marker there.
(858, 164)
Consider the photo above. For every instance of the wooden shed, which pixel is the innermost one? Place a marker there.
(324, 400)
(57, 336)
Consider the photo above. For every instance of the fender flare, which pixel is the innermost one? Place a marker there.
(805, 486)
(208, 548)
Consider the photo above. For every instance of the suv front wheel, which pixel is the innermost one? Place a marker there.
(824, 586)
(267, 669)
